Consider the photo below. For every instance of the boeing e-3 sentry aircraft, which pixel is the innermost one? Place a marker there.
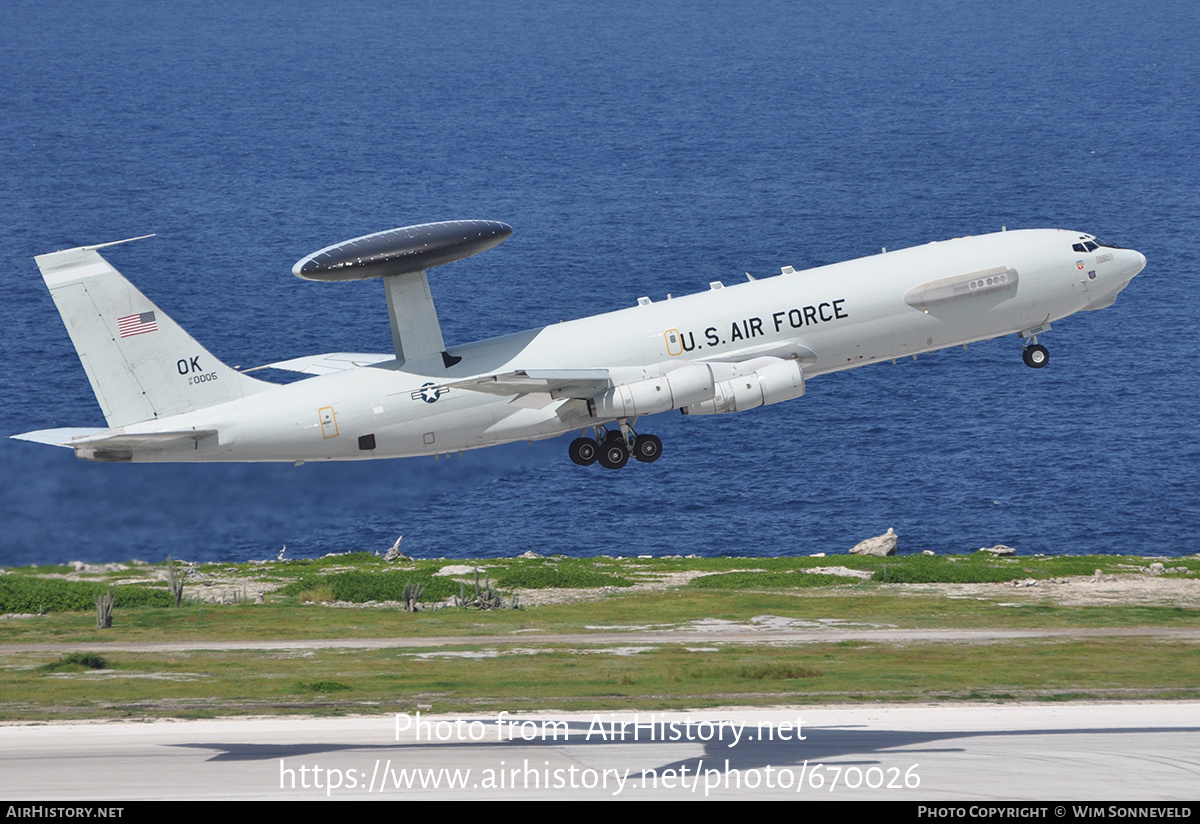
(728, 349)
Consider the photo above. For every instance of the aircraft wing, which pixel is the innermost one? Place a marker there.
(787, 351)
(587, 383)
(538, 388)
(327, 364)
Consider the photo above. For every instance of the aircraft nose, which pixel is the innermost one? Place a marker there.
(1134, 263)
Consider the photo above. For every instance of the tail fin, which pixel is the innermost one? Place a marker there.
(140, 363)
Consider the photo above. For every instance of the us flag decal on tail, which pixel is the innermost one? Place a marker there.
(138, 324)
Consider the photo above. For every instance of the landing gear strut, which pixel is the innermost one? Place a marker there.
(613, 448)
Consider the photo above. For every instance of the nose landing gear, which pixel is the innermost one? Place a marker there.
(1035, 356)
(1033, 353)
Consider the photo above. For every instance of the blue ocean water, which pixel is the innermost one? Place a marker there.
(637, 149)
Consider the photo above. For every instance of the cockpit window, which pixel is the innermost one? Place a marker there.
(1090, 245)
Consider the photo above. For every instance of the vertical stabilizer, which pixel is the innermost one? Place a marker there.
(140, 363)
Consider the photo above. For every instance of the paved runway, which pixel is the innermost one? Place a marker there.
(938, 753)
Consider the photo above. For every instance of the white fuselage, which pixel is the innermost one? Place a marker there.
(839, 317)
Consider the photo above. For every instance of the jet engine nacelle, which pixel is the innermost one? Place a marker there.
(676, 389)
(772, 383)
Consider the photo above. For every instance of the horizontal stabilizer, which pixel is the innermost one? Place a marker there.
(110, 445)
(326, 364)
(143, 441)
(57, 437)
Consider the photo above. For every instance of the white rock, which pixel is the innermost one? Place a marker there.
(458, 569)
(879, 546)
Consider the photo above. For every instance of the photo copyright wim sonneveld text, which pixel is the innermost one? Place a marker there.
(704, 777)
(1076, 811)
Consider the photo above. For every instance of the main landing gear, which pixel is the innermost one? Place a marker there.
(613, 447)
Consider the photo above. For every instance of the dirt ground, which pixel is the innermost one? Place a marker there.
(1148, 590)
(202, 583)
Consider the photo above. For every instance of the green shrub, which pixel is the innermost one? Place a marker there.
(321, 686)
(359, 586)
(74, 662)
(774, 671)
(557, 576)
(929, 569)
(20, 593)
(349, 559)
(769, 580)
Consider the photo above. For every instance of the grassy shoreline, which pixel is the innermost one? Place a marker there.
(611, 601)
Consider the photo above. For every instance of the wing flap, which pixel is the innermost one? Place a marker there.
(554, 383)
(788, 351)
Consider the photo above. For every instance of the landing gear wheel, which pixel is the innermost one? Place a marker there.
(1036, 356)
(614, 454)
(614, 436)
(584, 451)
(647, 448)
